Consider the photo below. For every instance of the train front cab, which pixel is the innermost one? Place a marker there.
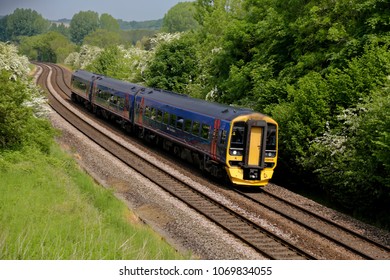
(252, 150)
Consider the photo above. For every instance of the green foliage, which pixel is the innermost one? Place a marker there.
(20, 103)
(23, 22)
(174, 65)
(180, 18)
(305, 63)
(60, 28)
(82, 24)
(108, 62)
(81, 59)
(133, 37)
(18, 126)
(140, 25)
(10, 61)
(13, 116)
(49, 47)
(107, 22)
(118, 62)
(102, 38)
(352, 159)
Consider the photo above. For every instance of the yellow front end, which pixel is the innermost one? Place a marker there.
(236, 176)
(252, 150)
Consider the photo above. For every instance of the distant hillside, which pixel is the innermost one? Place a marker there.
(134, 25)
(126, 25)
(64, 21)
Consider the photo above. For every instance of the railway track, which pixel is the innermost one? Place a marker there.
(340, 235)
(262, 240)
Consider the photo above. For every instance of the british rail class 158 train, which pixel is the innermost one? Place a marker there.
(220, 139)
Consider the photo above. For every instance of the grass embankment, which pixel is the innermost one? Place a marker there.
(50, 209)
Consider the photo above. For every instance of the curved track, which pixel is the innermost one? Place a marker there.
(265, 242)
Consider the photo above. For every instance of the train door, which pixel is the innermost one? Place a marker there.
(255, 143)
(214, 139)
(254, 146)
(92, 89)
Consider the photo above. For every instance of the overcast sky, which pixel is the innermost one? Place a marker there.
(127, 10)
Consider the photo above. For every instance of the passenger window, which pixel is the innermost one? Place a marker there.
(205, 131)
(187, 126)
(113, 99)
(166, 118)
(147, 112)
(159, 116)
(121, 103)
(172, 121)
(153, 114)
(180, 123)
(82, 86)
(195, 128)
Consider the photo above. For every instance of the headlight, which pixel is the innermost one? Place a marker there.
(236, 152)
(270, 154)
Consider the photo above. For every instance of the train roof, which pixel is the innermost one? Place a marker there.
(213, 109)
(84, 75)
(118, 85)
(200, 106)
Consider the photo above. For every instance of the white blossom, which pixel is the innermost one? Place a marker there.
(164, 37)
(83, 58)
(12, 62)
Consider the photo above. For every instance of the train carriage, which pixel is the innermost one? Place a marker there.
(220, 139)
(216, 137)
(82, 85)
(115, 97)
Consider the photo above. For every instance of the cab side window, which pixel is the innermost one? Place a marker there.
(223, 137)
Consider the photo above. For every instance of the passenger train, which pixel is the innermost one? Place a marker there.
(220, 139)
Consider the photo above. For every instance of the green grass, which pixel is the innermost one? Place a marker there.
(50, 209)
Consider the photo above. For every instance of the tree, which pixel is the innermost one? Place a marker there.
(10, 61)
(13, 115)
(19, 127)
(49, 47)
(102, 38)
(3, 29)
(174, 65)
(180, 18)
(108, 63)
(25, 22)
(60, 28)
(84, 57)
(109, 23)
(82, 24)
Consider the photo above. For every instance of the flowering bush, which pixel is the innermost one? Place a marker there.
(20, 100)
(83, 58)
(120, 62)
(12, 62)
